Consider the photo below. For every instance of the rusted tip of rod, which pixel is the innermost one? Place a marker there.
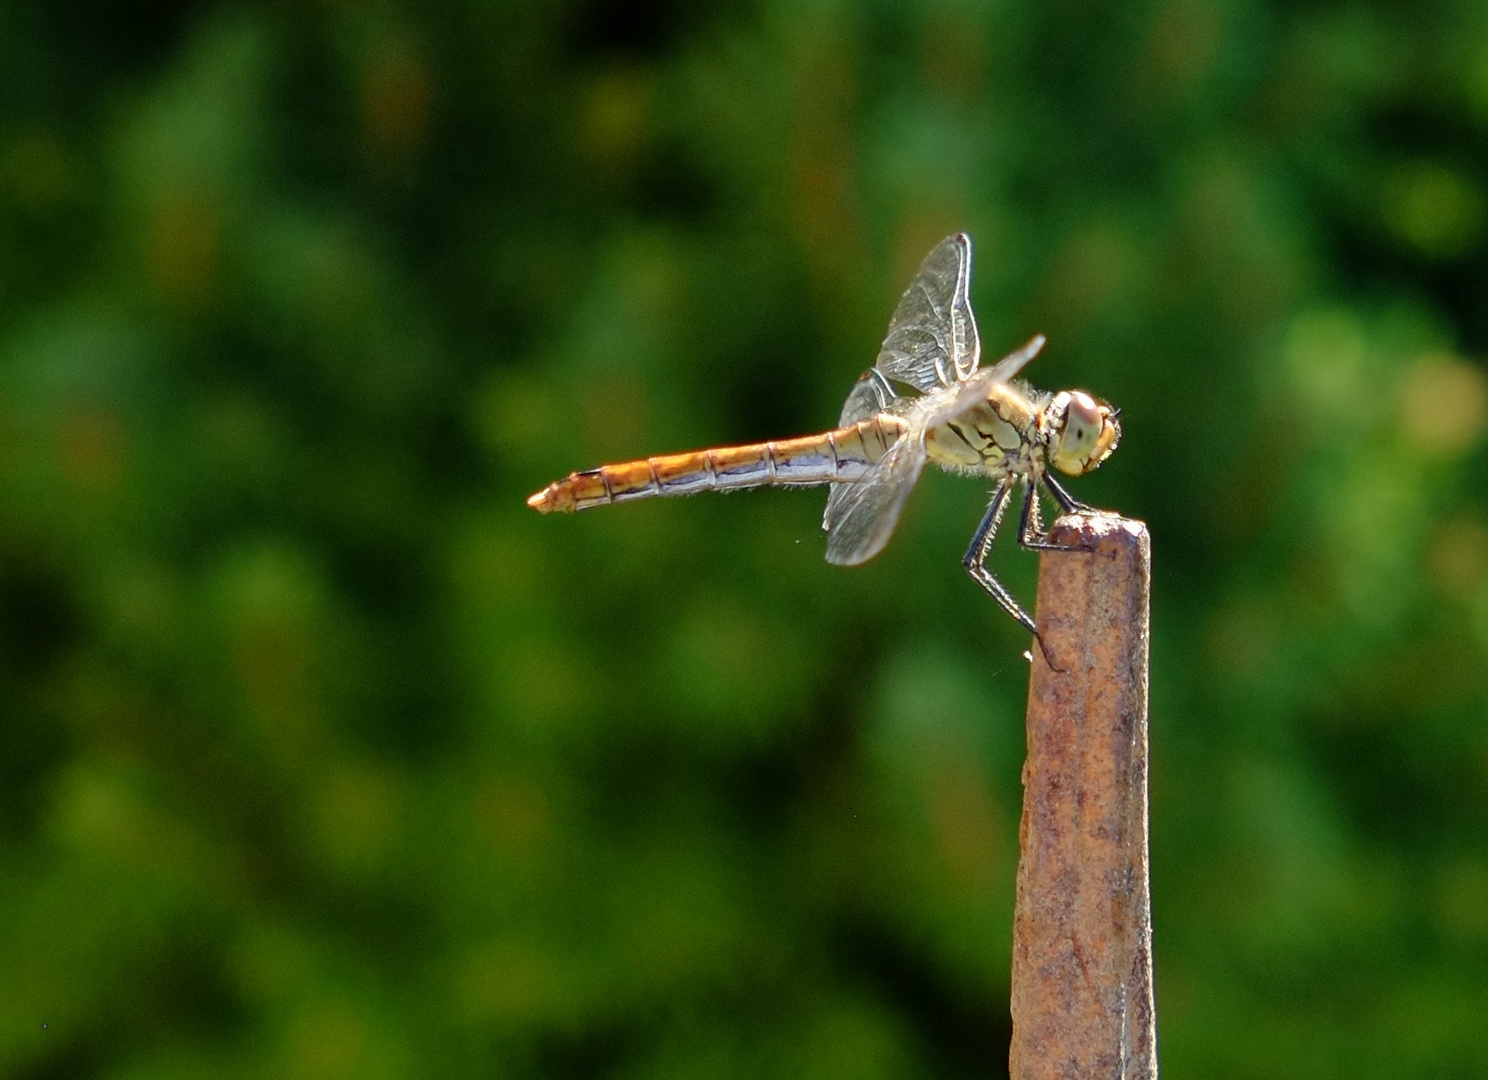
(1090, 600)
(1082, 932)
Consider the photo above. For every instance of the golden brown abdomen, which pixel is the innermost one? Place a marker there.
(838, 456)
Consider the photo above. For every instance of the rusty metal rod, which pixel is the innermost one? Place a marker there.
(1082, 927)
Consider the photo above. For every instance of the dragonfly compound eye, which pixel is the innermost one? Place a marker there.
(1085, 432)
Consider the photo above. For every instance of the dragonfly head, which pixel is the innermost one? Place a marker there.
(1081, 431)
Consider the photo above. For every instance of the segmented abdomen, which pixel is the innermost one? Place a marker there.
(836, 456)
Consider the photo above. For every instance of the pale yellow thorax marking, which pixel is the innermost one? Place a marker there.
(999, 429)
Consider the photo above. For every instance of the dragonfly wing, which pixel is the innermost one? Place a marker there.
(932, 340)
(1009, 366)
(861, 515)
(871, 395)
(950, 402)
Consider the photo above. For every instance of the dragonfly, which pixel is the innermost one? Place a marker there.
(924, 399)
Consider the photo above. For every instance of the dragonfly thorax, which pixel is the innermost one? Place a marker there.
(1079, 431)
(997, 435)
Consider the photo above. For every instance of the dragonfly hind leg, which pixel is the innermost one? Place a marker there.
(981, 547)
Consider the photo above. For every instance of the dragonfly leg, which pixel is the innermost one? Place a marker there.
(1067, 502)
(981, 547)
(1030, 529)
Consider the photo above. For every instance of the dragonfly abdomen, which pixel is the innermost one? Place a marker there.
(842, 455)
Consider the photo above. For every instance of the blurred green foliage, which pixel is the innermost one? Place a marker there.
(321, 756)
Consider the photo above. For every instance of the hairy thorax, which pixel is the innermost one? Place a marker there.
(998, 436)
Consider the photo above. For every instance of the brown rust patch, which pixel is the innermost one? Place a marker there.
(1082, 934)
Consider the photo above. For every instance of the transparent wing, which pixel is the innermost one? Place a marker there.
(932, 340)
(870, 395)
(1008, 367)
(948, 403)
(861, 515)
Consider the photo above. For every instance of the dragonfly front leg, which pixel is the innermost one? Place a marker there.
(981, 547)
(1031, 530)
(1067, 502)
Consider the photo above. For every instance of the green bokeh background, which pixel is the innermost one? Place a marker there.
(322, 756)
